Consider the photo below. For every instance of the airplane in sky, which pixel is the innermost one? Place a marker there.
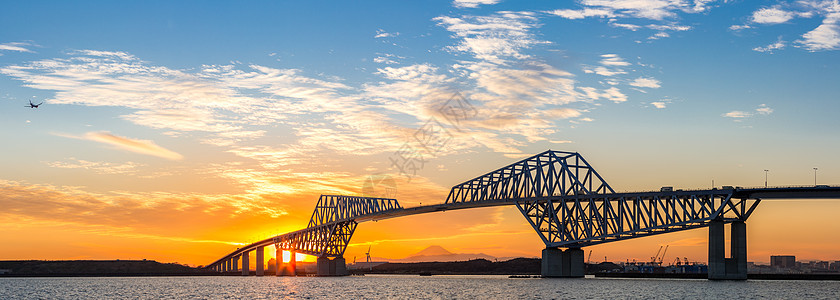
(33, 105)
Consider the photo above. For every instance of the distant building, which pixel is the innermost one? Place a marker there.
(783, 261)
(5, 271)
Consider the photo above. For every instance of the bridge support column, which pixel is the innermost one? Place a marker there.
(260, 263)
(246, 269)
(292, 263)
(278, 261)
(235, 264)
(559, 263)
(721, 267)
(332, 267)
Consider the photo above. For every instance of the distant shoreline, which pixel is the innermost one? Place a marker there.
(517, 266)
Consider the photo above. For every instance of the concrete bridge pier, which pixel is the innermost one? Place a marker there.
(278, 261)
(292, 263)
(260, 261)
(246, 268)
(721, 267)
(235, 264)
(332, 267)
(559, 263)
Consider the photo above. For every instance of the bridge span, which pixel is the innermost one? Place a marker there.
(565, 201)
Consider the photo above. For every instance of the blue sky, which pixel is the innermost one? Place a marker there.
(250, 110)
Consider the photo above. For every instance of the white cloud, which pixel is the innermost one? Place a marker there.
(739, 27)
(380, 33)
(613, 60)
(764, 110)
(646, 9)
(15, 46)
(659, 35)
(824, 37)
(772, 15)
(388, 59)
(615, 95)
(603, 71)
(659, 105)
(473, 3)
(778, 45)
(645, 82)
(671, 27)
(631, 27)
(737, 114)
(582, 13)
(493, 38)
(177, 100)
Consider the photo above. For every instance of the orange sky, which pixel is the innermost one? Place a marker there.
(71, 224)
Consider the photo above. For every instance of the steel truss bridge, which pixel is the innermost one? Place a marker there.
(566, 202)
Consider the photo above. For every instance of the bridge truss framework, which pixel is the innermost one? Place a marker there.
(566, 202)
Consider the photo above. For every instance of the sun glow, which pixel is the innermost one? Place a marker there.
(298, 257)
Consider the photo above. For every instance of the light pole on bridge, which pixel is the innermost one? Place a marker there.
(815, 176)
(765, 177)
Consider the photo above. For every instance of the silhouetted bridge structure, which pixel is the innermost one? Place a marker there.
(562, 197)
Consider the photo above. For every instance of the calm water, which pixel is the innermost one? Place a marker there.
(406, 287)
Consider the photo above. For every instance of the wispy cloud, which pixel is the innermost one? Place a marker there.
(133, 145)
(645, 82)
(659, 14)
(381, 33)
(473, 3)
(16, 46)
(98, 167)
(738, 115)
(493, 38)
(137, 146)
(613, 60)
(149, 213)
(764, 110)
(581, 13)
(824, 37)
(778, 45)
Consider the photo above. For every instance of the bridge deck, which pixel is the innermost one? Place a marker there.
(810, 192)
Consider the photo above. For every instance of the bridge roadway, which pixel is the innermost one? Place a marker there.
(791, 192)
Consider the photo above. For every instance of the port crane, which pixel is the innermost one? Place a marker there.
(656, 259)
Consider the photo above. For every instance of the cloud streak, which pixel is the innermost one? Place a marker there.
(16, 46)
(137, 146)
(132, 145)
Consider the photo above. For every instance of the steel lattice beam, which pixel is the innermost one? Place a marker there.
(330, 228)
(551, 173)
(582, 220)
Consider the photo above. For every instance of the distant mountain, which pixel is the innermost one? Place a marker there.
(438, 253)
